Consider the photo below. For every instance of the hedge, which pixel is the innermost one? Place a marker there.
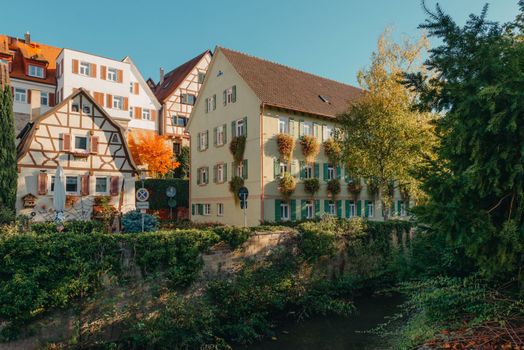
(157, 189)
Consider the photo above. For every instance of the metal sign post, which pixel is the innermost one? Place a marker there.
(243, 194)
(142, 195)
(171, 193)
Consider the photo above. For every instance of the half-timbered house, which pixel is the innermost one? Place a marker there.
(80, 136)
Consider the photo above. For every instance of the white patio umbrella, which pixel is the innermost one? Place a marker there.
(59, 194)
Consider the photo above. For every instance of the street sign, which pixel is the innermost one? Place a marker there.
(142, 194)
(171, 202)
(171, 191)
(142, 205)
(243, 192)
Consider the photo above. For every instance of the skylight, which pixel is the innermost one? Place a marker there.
(324, 98)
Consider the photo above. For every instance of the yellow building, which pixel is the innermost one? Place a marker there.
(247, 96)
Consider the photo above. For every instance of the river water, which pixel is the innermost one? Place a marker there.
(337, 333)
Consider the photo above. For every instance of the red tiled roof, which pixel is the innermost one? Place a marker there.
(173, 79)
(289, 88)
(25, 53)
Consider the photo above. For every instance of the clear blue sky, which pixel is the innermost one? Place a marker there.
(332, 38)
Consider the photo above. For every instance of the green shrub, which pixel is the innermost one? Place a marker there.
(234, 236)
(311, 186)
(315, 241)
(73, 227)
(132, 222)
(7, 216)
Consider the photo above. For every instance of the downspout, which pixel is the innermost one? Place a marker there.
(262, 106)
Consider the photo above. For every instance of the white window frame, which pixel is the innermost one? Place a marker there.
(309, 126)
(204, 176)
(131, 87)
(20, 95)
(85, 69)
(332, 209)
(403, 208)
(77, 184)
(284, 167)
(203, 141)
(240, 169)
(206, 207)
(146, 114)
(352, 209)
(309, 171)
(201, 80)
(239, 127)
(328, 132)
(112, 74)
(209, 102)
(330, 172)
(220, 135)
(36, 71)
(220, 173)
(106, 179)
(118, 102)
(220, 209)
(44, 98)
(131, 112)
(229, 95)
(371, 209)
(283, 125)
(80, 149)
(285, 212)
(51, 180)
(310, 210)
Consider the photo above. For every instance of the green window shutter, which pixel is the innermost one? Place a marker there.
(198, 176)
(293, 208)
(317, 208)
(245, 127)
(207, 139)
(214, 101)
(300, 131)
(277, 210)
(233, 129)
(234, 97)
(326, 206)
(201, 209)
(316, 170)
(215, 173)
(339, 208)
(407, 205)
(276, 164)
(347, 208)
(292, 127)
(215, 136)
(198, 140)
(359, 208)
(207, 106)
(192, 209)
(224, 127)
(302, 170)
(339, 172)
(303, 203)
(225, 172)
(315, 130)
(225, 97)
(366, 208)
(325, 171)
(244, 169)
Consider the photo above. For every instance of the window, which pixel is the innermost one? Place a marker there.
(371, 209)
(328, 132)
(35, 71)
(308, 171)
(177, 120)
(402, 208)
(112, 74)
(81, 143)
(207, 209)
(330, 172)
(229, 95)
(131, 111)
(240, 169)
(220, 209)
(201, 77)
(101, 185)
(131, 86)
(240, 127)
(72, 184)
(118, 102)
(352, 209)
(210, 104)
(187, 99)
(283, 125)
(284, 211)
(86, 109)
(114, 139)
(283, 167)
(307, 128)
(220, 173)
(203, 140)
(75, 107)
(146, 114)
(21, 95)
(85, 68)
(220, 135)
(310, 210)
(52, 184)
(331, 208)
(176, 148)
(203, 176)
(44, 98)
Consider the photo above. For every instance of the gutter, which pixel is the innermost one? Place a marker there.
(262, 106)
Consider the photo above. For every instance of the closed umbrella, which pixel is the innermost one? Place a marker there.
(59, 195)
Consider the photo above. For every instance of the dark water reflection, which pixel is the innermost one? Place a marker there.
(337, 333)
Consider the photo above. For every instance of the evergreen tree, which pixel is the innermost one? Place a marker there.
(476, 184)
(8, 168)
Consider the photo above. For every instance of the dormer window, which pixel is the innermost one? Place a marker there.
(35, 71)
(324, 98)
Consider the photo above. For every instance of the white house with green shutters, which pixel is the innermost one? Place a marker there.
(260, 100)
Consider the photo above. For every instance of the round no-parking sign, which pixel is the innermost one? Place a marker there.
(142, 194)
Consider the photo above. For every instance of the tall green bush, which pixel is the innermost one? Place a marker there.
(8, 167)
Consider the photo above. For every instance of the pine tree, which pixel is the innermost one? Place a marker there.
(8, 168)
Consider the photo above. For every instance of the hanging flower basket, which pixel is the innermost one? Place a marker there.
(310, 147)
(237, 147)
(372, 185)
(287, 184)
(286, 145)
(234, 185)
(354, 186)
(311, 186)
(333, 151)
(333, 187)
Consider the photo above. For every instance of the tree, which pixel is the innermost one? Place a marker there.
(382, 138)
(154, 151)
(182, 172)
(475, 185)
(8, 167)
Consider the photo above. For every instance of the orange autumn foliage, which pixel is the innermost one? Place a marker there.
(154, 151)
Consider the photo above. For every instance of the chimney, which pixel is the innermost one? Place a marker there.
(161, 76)
(27, 38)
(34, 104)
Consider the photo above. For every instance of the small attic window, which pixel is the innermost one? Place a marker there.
(324, 98)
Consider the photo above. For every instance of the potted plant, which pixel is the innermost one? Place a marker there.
(287, 184)
(354, 186)
(333, 151)
(311, 186)
(237, 147)
(71, 200)
(333, 187)
(234, 185)
(310, 147)
(286, 145)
